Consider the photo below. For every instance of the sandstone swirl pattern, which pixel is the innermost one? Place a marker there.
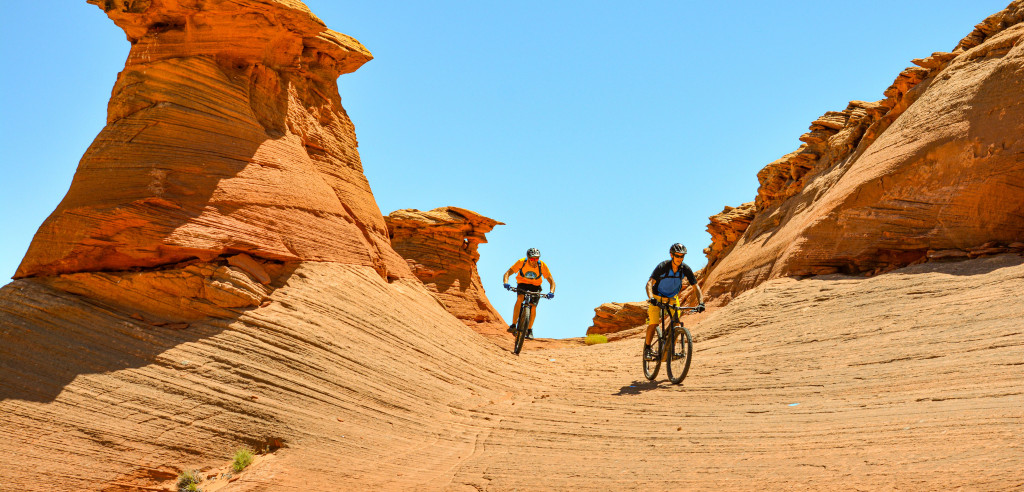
(219, 275)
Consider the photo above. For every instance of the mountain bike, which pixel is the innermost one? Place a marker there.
(530, 298)
(674, 345)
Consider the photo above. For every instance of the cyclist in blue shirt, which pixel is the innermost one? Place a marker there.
(665, 284)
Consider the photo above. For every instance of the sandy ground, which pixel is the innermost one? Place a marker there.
(912, 380)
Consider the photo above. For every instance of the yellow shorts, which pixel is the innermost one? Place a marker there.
(654, 312)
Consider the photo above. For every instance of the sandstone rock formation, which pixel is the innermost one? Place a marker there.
(726, 228)
(123, 368)
(934, 170)
(441, 248)
(225, 134)
(613, 317)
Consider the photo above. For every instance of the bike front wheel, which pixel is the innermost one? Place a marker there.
(651, 366)
(521, 328)
(680, 352)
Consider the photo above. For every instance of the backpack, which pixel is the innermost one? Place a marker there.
(540, 269)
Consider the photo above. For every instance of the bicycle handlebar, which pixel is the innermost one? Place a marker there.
(525, 292)
(665, 305)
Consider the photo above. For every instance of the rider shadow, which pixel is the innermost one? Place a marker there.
(637, 387)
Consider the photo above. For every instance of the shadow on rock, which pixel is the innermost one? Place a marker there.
(56, 329)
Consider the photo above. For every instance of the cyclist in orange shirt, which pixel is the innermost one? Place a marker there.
(530, 272)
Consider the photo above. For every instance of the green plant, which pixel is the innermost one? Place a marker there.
(243, 458)
(593, 339)
(189, 481)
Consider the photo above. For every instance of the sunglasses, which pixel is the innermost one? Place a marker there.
(678, 256)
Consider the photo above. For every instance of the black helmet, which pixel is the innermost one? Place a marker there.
(677, 249)
(533, 253)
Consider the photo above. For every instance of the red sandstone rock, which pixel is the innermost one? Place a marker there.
(441, 247)
(342, 365)
(613, 317)
(726, 228)
(225, 134)
(935, 170)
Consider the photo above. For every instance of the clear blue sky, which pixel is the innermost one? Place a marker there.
(600, 132)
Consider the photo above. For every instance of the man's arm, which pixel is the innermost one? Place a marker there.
(551, 281)
(650, 287)
(700, 295)
(509, 272)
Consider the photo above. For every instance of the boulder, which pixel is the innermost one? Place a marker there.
(613, 317)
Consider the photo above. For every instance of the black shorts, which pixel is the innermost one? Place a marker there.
(528, 287)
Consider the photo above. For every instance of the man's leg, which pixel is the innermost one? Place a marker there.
(515, 313)
(653, 319)
(650, 334)
(533, 317)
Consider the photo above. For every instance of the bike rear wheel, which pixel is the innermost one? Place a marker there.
(521, 328)
(651, 366)
(680, 352)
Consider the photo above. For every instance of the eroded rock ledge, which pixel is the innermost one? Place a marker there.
(441, 248)
(614, 317)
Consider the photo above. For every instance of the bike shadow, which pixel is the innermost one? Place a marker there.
(637, 387)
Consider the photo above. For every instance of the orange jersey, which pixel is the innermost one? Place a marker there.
(528, 274)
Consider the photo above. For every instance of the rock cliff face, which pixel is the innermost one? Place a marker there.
(934, 170)
(225, 134)
(441, 248)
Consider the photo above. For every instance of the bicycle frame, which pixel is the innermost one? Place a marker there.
(670, 333)
(530, 299)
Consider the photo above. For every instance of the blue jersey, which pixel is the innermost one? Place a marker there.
(669, 283)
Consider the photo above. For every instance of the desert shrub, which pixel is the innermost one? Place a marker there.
(593, 339)
(243, 458)
(189, 481)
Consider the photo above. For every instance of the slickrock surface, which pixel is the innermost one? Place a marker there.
(441, 247)
(908, 380)
(225, 134)
(613, 317)
(934, 170)
(219, 276)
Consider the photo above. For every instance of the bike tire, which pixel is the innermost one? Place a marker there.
(651, 367)
(680, 350)
(521, 328)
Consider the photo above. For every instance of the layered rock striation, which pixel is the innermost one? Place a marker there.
(441, 246)
(219, 274)
(225, 134)
(934, 170)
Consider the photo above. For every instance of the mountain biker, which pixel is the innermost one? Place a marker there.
(665, 284)
(529, 271)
